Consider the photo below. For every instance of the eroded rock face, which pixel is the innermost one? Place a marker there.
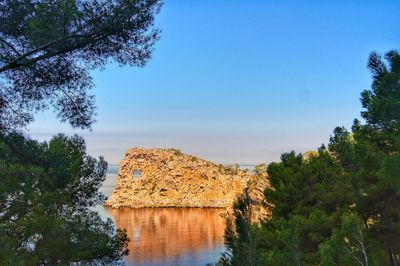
(169, 178)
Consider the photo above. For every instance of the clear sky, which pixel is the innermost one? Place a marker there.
(240, 81)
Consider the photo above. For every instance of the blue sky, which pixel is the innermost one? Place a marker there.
(240, 81)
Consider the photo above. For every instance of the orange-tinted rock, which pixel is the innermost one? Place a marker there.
(169, 178)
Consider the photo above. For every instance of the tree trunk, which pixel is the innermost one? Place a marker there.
(393, 258)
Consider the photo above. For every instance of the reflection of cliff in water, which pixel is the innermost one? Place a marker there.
(171, 236)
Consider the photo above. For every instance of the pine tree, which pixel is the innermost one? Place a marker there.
(46, 194)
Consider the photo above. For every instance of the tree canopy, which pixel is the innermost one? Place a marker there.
(340, 206)
(47, 49)
(46, 194)
(48, 190)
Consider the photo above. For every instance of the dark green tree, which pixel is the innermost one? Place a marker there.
(46, 192)
(382, 100)
(377, 145)
(242, 238)
(48, 47)
(347, 245)
(308, 195)
(370, 157)
(342, 205)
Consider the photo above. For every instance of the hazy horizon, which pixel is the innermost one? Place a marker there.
(239, 82)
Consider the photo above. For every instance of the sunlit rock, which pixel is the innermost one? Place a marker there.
(169, 178)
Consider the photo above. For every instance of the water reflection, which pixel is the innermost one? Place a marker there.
(162, 236)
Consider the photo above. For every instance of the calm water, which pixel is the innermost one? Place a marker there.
(173, 236)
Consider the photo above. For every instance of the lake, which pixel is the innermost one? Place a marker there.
(167, 236)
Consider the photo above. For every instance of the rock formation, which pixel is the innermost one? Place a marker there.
(169, 178)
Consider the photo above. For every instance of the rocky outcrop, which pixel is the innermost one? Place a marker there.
(169, 178)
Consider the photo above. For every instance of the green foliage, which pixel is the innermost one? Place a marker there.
(46, 192)
(350, 245)
(342, 205)
(382, 100)
(377, 146)
(309, 197)
(153, 188)
(261, 168)
(242, 238)
(177, 152)
(48, 47)
(309, 154)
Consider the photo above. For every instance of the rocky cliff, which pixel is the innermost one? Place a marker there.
(169, 178)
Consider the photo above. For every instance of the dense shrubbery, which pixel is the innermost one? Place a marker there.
(46, 191)
(340, 206)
